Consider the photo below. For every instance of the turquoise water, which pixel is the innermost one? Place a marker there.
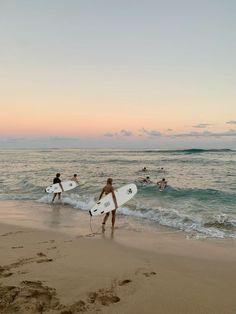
(200, 198)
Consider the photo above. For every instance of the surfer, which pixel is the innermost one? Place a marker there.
(162, 184)
(108, 188)
(145, 180)
(144, 169)
(75, 178)
(57, 180)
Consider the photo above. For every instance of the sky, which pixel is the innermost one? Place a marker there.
(120, 74)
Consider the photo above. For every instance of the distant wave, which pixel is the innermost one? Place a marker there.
(203, 195)
(190, 151)
(198, 150)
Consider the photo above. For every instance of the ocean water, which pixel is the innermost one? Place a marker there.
(200, 198)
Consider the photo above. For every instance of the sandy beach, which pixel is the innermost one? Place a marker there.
(45, 271)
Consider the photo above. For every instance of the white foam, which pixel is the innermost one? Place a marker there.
(221, 218)
(172, 218)
(45, 199)
(193, 225)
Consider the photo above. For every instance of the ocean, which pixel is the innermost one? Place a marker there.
(200, 198)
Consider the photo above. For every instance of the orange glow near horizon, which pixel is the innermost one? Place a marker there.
(86, 117)
(91, 126)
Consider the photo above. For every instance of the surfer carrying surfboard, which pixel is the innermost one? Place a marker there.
(108, 188)
(57, 180)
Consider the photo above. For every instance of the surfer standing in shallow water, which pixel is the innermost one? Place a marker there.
(108, 188)
(57, 180)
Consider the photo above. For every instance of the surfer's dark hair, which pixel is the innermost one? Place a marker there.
(58, 174)
(75, 175)
(109, 181)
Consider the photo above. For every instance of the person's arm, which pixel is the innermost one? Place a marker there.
(76, 181)
(61, 186)
(101, 194)
(143, 179)
(114, 198)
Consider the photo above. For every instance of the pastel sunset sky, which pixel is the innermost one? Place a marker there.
(118, 73)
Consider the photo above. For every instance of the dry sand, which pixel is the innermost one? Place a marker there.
(122, 272)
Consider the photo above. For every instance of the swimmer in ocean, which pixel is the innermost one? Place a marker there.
(162, 184)
(145, 180)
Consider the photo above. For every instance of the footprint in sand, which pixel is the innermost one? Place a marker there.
(41, 254)
(11, 233)
(4, 272)
(23, 272)
(124, 282)
(30, 295)
(77, 307)
(52, 248)
(103, 296)
(21, 262)
(50, 241)
(144, 272)
(148, 274)
(45, 260)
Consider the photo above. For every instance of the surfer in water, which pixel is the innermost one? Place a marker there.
(145, 180)
(108, 188)
(57, 180)
(75, 178)
(162, 184)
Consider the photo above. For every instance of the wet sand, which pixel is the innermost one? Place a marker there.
(44, 271)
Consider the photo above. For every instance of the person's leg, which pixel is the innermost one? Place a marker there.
(113, 219)
(54, 196)
(59, 195)
(105, 218)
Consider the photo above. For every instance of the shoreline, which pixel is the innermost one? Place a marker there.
(128, 271)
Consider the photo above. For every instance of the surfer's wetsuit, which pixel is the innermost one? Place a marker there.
(56, 180)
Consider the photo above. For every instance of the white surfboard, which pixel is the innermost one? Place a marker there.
(106, 204)
(67, 185)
